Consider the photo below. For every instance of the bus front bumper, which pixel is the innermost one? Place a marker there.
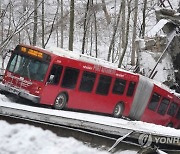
(19, 92)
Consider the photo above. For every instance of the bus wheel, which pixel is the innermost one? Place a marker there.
(60, 101)
(170, 125)
(118, 110)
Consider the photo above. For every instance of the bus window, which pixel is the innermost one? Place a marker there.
(178, 114)
(131, 88)
(154, 102)
(12, 63)
(119, 86)
(172, 109)
(87, 81)
(55, 74)
(103, 85)
(163, 106)
(70, 78)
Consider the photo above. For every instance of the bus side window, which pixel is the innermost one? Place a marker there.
(131, 88)
(55, 74)
(154, 101)
(172, 109)
(12, 64)
(119, 86)
(87, 81)
(163, 106)
(70, 78)
(178, 114)
(103, 85)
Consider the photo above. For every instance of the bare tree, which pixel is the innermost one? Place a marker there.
(85, 27)
(96, 31)
(134, 33)
(71, 27)
(108, 18)
(43, 25)
(62, 25)
(20, 24)
(127, 33)
(35, 29)
(1, 23)
(53, 23)
(123, 3)
(114, 33)
(143, 26)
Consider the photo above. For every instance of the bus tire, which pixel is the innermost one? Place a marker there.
(118, 110)
(61, 101)
(170, 125)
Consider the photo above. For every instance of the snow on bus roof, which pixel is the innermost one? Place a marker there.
(85, 58)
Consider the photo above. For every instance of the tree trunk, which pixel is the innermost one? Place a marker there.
(123, 3)
(108, 18)
(43, 24)
(91, 38)
(144, 19)
(53, 23)
(96, 32)
(35, 22)
(127, 35)
(62, 25)
(71, 27)
(114, 33)
(134, 33)
(85, 26)
(2, 24)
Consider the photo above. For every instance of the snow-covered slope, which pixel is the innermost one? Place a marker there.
(26, 139)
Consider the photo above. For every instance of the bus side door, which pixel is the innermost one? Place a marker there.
(51, 88)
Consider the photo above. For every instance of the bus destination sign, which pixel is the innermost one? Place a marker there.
(32, 52)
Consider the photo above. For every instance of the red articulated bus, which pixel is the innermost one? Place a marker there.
(63, 79)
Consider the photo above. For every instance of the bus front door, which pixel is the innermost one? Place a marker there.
(51, 88)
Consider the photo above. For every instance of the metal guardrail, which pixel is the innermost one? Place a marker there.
(62, 118)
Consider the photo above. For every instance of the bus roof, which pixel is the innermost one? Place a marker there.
(85, 58)
(55, 51)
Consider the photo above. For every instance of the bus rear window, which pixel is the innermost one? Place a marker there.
(178, 114)
(172, 109)
(103, 85)
(154, 101)
(163, 106)
(70, 78)
(119, 86)
(131, 88)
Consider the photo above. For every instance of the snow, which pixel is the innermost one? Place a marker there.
(26, 139)
(164, 69)
(104, 120)
(75, 55)
(157, 28)
(85, 58)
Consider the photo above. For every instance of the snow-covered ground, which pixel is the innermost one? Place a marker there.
(138, 126)
(26, 139)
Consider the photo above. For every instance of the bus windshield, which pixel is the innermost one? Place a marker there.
(27, 66)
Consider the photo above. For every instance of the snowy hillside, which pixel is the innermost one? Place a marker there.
(26, 139)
